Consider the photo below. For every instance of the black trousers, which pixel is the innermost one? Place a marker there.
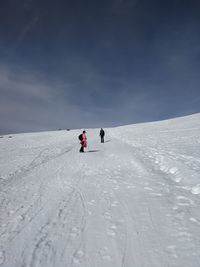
(102, 139)
(82, 149)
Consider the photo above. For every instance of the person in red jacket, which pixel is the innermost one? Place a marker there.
(83, 142)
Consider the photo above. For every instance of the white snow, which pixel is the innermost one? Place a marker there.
(132, 201)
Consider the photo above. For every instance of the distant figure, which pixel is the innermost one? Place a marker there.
(102, 134)
(83, 141)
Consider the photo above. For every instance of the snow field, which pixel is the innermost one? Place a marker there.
(132, 201)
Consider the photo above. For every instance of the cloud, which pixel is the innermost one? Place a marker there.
(28, 102)
(31, 102)
(26, 29)
(79, 95)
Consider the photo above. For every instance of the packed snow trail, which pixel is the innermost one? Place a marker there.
(132, 201)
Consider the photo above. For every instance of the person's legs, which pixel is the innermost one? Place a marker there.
(81, 149)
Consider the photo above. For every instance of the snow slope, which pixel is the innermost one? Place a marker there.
(132, 201)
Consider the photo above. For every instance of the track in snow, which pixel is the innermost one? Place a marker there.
(124, 205)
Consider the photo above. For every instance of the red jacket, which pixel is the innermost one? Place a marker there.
(84, 137)
(84, 140)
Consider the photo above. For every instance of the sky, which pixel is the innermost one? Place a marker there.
(85, 64)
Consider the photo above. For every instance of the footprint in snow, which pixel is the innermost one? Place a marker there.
(74, 232)
(107, 216)
(172, 250)
(103, 252)
(184, 201)
(76, 261)
(196, 190)
(114, 204)
(130, 186)
(185, 235)
(180, 215)
(173, 170)
(113, 227)
(112, 231)
(77, 257)
(2, 257)
(79, 254)
(178, 179)
(91, 202)
(148, 188)
(121, 221)
(195, 220)
(11, 212)
(116, 187)
(157, 194)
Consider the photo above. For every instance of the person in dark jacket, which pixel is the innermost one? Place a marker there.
(102, 134)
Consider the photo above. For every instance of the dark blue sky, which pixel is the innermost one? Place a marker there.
(73, 64)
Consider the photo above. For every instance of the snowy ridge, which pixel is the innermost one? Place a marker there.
(132, 201)
(168, 146)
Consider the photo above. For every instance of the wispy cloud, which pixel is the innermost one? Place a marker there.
(28, 100)
(25, 30)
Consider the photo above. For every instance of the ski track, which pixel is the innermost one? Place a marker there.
(127, 204)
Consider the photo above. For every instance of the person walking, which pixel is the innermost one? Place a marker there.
(102, 134)
(83, 141)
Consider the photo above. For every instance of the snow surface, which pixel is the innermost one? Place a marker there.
(132, 201)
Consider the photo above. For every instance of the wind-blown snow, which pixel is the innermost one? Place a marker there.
(132, 201)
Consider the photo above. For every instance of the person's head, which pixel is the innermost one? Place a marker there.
(84, 131)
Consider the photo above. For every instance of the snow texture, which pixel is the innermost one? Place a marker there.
(131, 201)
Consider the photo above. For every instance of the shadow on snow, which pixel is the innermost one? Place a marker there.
(89, 151)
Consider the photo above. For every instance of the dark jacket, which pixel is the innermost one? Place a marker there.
(102, 133)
